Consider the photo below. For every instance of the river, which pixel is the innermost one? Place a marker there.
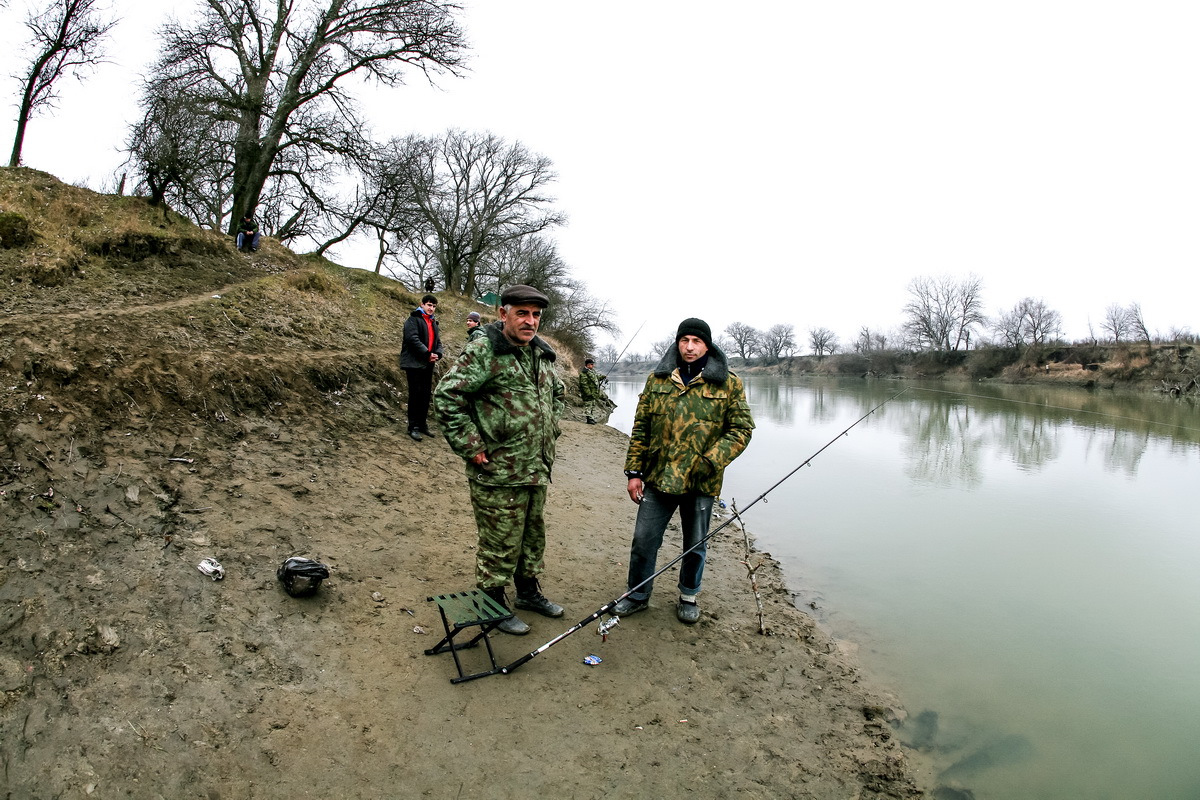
(1020, 564)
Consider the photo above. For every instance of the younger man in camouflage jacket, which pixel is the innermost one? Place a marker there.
(499, 407)
(691, 421)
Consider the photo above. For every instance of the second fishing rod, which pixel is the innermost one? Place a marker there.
(608, 607)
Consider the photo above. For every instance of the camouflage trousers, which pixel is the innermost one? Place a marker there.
(589, 409)
(512, 532)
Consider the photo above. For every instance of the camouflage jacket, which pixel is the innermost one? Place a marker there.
(685, 436)
(589, 385)
(472, 335)
(505, 401)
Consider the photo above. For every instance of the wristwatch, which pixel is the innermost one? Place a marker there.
(632, 473)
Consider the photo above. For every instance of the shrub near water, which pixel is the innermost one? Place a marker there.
(989, 362)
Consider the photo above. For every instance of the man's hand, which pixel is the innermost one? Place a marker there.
(636, 490)
(479, 459)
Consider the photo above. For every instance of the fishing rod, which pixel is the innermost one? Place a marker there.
(611, 623)
(618, 358)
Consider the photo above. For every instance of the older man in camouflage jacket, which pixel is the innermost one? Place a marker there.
(691, 421)
(499, 407)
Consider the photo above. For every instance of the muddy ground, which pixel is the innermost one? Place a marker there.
(164, 400)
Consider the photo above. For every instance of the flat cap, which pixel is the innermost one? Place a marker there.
(522, 295)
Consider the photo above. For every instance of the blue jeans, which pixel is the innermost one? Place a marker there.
(654, 513)
(250, 240)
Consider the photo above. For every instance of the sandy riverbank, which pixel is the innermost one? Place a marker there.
(129, 673)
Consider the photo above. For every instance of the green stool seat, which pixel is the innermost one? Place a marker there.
(461, 611)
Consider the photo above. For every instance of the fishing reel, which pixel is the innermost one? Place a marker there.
(605, 626)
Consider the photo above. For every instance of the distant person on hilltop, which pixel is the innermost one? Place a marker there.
(420, 351)
(499, 407)
(429, 284)
(248, 235)
(692, 420)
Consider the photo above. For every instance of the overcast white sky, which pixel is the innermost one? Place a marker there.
(800, 162)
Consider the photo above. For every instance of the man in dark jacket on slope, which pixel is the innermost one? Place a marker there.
(421, 349)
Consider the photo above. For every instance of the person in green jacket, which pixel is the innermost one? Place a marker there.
(474, 323)
(692, 420)
(589, 389)
(499, 407)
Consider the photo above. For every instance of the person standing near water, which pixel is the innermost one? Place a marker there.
(499, 408)
(692, 420)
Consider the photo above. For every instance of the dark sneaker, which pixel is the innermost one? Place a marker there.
(628, 605)
(540, 604)
(514, 625)
(416, 435)
(687, 613)
(591, 421)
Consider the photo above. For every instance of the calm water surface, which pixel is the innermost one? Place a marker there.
(1021, 564)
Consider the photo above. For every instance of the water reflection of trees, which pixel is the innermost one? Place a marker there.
(947, 436)
(1122, 451)
(1029, 439)
(776, 402)
(1027, 423)
(780, 403)
(940, 445)
(949, 433)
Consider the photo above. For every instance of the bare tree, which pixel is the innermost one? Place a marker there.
(1042, 323)
(182, 158)
(942, 312)
(67, 37)
(574, 316)
(531, 260)
(1181, 334)
(385, 204)
(869, 341)
(475, 193)
(1007, 327)
(276, 72)
(606, 357)
(662, 347)
(822, 341)
(1116, 322)
(1137, 323)
(744, 339)
(1029, 322)
(777, 340)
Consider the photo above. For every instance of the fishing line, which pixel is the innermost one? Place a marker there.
(626, 347)
(607, 607)
(1059, 408)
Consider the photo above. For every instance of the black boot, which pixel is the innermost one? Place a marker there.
(513, 625)
(530, 598)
